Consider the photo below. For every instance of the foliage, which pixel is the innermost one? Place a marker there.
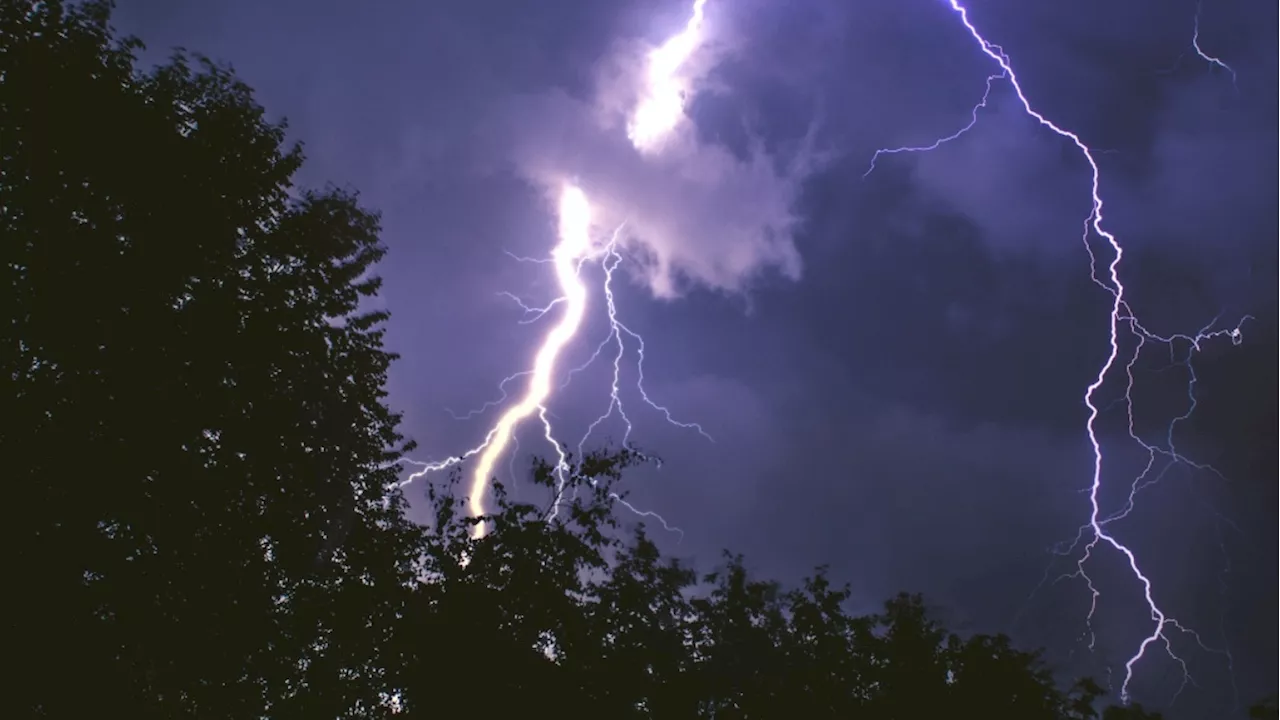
(196, 445)
(562, 612)
(1265, 709)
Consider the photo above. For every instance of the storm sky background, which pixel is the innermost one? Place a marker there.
(892, 367)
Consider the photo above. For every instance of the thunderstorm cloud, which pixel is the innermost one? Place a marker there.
(698, 213)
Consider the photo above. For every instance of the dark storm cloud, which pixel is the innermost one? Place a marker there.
(1205, 162)
(910, 410)
(1016, 179)
(1026, 187)
(1170, 130)
(964, 514)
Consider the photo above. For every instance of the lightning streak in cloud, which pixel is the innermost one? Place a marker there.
(1095, 530)
(1119, 314)
(661, 105)
(973, 120)
(1195, 45)
(659, 111)
(617, 330)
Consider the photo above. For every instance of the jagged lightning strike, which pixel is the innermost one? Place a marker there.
(658, 112)
(1094, 532)
(1201, 53)
(573, 248)
(1195, 45)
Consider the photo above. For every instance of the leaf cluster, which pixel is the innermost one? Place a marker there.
(568, 612)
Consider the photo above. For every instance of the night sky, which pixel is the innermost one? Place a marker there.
(893, 367)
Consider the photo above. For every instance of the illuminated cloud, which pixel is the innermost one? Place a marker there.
(697, 214)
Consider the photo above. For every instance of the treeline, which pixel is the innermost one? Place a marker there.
(572, 613)
(201, 468)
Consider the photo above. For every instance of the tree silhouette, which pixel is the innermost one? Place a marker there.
(1264, 709)
(1131, 712)
(195, 438)
(562, 611)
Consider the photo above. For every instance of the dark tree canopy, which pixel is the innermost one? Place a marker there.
(201, 468)
(1265, 709)
(195, 446)
(566, 613)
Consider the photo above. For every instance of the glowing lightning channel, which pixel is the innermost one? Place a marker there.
(1195, 45)
(973, 120)
(658, 112)
(1120, 315)
(574, 246)
(617, 330)
(661, 105)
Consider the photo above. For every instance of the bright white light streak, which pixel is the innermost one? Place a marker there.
(574, 245)
(658, 112)
(661, 104)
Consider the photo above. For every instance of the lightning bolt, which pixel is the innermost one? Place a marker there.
(1094, 532)
(1195, 45)
(617, 330)
(973, 120)
(661, 106)
(658, 112)
(567, 256)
